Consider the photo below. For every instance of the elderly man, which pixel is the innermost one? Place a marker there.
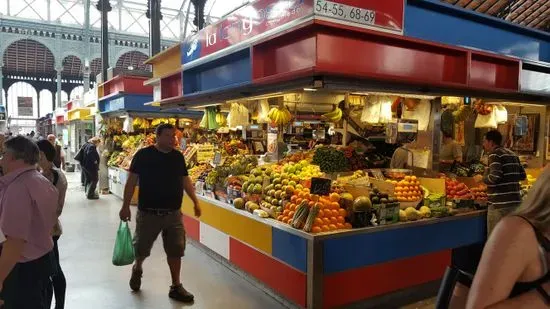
(28, 204)
(59, 159)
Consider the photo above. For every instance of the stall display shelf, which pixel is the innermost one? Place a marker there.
(329, 270)
(117, 182)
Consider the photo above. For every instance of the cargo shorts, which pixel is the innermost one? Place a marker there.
(150, 225)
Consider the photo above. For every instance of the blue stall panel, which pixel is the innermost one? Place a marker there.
(439, 22)
(290, 249)
(361, 250)
(130, 102)
(225, 73)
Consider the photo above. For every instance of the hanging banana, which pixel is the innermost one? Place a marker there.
(333, 116)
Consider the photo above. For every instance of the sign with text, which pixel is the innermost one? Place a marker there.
(245, 23)
(320, 186)
(24, 106)
(387, 15)
(257, 19)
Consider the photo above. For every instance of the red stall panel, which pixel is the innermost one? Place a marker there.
(358, 284)
(192, 227)
(284, 279)
(491, 71)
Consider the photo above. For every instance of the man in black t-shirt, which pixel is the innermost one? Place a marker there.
(162, 175)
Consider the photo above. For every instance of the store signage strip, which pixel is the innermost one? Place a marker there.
(263, 18)
(344, 12)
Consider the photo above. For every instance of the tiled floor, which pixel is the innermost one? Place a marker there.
(93, 282)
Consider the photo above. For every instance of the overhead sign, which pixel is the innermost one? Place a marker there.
(261, 17)
(386, 15)
(24, 106)
(245, 23)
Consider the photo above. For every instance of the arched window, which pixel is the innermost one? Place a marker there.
(78, 92)
(22, 99)
(46, 102)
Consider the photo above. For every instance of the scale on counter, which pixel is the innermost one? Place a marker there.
(401, 131)
(255, 138)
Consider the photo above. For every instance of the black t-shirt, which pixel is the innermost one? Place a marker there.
(160, 178)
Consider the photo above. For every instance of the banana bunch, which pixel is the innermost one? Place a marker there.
(140, 123)
(333, 116)
(220, 119)
(280, 115)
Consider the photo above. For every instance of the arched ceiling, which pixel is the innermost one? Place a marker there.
(95, 67)
(529, 13)
(28, 57)
(132, 59)
(72, 66)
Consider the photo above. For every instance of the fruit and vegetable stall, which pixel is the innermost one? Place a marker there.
(295, 185)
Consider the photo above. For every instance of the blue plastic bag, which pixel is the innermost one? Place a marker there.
(123, 253)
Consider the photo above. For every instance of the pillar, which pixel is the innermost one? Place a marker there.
(199, 13)
(59, 70)
(104, 7)
(1, 87)
(37, 103)
(154, 15)
(86, 79)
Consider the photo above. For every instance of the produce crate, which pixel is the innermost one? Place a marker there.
(463, 203)
(256, 198)
(436, 203)
(387, 213)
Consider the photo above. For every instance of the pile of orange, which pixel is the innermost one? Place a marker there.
(331, 217)
(408, 190)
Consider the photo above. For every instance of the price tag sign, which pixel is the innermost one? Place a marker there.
(320, 186)
(217, 158)
(199, 188)
(345, 12)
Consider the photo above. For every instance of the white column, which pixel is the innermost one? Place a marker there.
(59, 70)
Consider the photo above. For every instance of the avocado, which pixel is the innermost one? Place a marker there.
(375, 200)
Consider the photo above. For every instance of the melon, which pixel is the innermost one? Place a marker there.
(412, 214)
(238, 203)
(362, 203)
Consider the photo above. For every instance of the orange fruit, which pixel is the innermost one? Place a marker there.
(325, 228)
(292, 207)
(333, 220)
(340, 226)
(285, 212)
(334, 197)
(293, 198)
(311, 204)
(319, 205)
(327, 221)
(332, 227)
(341, 219)
(315, 197)
(342, 212)
(334, 205)
(280, 218)
(347, 225)
(334, 213)
(321, 214)
(291, 214)
(299, 201)
(318, 221)
(285, 219)
(307, 196)
(316, 229)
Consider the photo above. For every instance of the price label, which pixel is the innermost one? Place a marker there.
(320, 186)
(199, 188)
(345, 12)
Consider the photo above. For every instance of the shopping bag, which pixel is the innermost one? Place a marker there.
(124, 249)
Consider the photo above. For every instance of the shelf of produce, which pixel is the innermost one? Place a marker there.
(117, 181)
(329, 270)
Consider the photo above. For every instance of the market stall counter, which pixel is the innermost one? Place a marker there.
(328, 270)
